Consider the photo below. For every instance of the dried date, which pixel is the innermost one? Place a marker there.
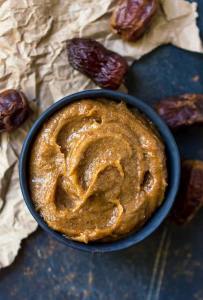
(106, 68)
(190, 196)
(182, 110)
(131, 18)
(14, 109)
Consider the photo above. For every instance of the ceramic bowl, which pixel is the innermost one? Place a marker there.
(173, 165)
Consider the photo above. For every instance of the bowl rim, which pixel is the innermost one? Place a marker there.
(173, 157)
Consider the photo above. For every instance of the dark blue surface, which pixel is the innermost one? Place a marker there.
(173, 166)
(166, 266)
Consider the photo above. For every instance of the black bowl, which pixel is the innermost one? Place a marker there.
(173, 165)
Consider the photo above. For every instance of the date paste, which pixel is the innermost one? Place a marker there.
(97, 171)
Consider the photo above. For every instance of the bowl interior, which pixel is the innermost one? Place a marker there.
(173, 165)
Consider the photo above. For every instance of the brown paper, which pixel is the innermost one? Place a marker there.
(33, 35)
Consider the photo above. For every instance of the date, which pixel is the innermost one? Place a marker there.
(106, 68)
(190, 196)
(181, 111)
(131, 18)
(14, 109)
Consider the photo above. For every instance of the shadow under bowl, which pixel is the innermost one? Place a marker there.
(173, 166)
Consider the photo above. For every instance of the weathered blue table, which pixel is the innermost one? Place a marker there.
(168, 265)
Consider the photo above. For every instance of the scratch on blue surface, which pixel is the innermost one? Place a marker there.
(159, 266)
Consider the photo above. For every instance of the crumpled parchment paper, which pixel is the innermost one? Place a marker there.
(33, 35)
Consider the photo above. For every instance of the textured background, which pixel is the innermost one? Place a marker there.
(168, 265)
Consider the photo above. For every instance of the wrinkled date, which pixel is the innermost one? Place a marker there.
(181, 111)
(131, 18)
(190, 196)
(104, 67)
(14, 109)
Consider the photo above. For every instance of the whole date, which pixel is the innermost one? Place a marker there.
(181, 111)
(131, 18)
(106, 68)
(14, 109)
(190, 196)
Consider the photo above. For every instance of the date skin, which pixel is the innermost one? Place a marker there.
(106, 68)
(131, 18)
(14, 109)
(190, 196)
(181, 111)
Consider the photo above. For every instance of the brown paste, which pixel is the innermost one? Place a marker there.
(97, 171)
